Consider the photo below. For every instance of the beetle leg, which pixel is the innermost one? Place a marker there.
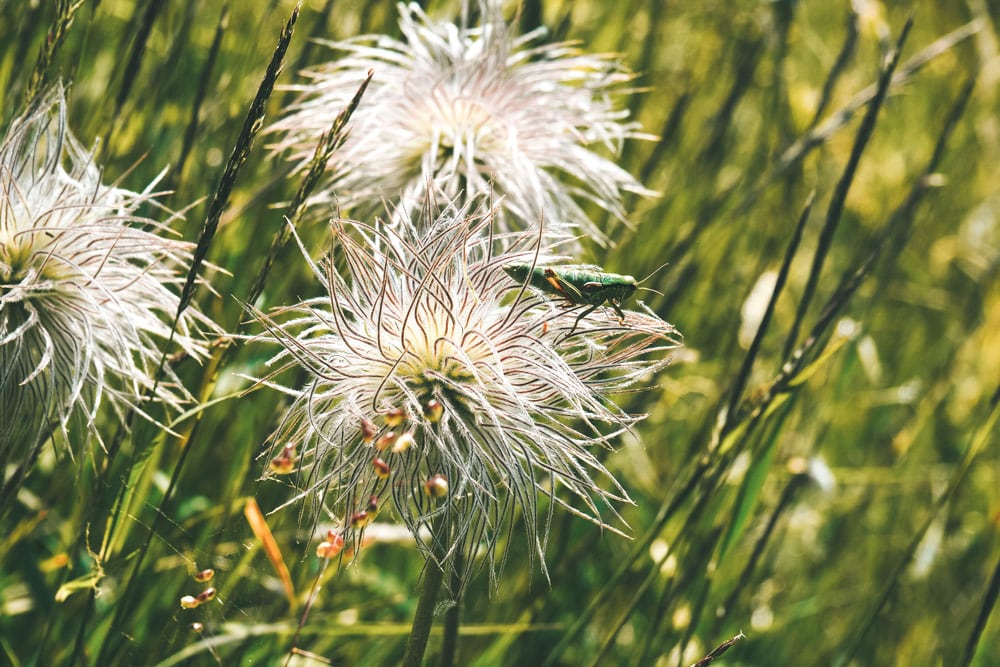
(618, 310)
(578, 318)
(568, 290)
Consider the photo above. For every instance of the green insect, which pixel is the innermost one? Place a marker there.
(580, 284)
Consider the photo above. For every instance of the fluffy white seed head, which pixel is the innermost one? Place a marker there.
(504, 395)
(466, 109)
(88, 288)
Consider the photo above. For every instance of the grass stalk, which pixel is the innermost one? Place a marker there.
(836, 206)
(219, 202)
(989, 602)
(976, 445)
(41, 75)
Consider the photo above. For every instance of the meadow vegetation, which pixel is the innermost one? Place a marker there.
(819, 468)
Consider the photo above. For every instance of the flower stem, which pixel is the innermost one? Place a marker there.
(416, 644)
(453, 617)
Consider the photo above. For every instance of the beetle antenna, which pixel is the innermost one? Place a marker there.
(651, 274)
(650, 289)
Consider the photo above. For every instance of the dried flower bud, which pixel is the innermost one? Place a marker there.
(436, 486)
(386, 440)
(326, 550)
(394, 416)
(542, 86)
(85, 284)
(284, 463)
(471, 342)
(362, 519)
(402, 443)
(197, 627)
(368, 431)
(206, 595)
(189, 602)
(433, 410)
(330, 547)
(204, 575)
(382, 469)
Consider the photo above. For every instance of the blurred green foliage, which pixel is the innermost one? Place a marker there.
(892, 405)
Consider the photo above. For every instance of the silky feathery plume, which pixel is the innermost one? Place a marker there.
(467, 111)
(88, 289)
(499, 392)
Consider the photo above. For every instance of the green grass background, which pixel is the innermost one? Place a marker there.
(894, 386)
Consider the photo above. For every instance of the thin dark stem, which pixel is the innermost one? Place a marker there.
(744, 373)
(133, 64)
(663, 516)
(423, 619)
(976, 445)
(839, 65)
(989, 601)
(453, 617)
(191, 131)
(784, 502)
(328, 143)
(836, 207)
(320, 29)
(10, 487)
(821, 133)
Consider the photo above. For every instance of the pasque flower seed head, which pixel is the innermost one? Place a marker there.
(411, 319)
(88, 288)
(468, 110)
